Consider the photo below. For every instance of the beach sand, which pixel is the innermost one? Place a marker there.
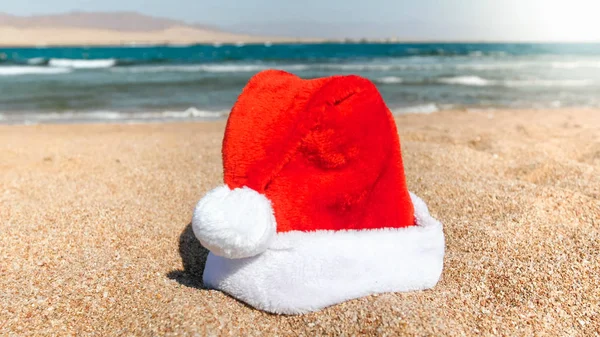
(66, 36)
(95, 237)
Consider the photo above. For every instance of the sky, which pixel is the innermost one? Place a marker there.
(554, 20)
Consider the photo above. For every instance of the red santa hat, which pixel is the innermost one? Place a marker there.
(315, 209)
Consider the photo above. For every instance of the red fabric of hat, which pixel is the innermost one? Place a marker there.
(315, 209)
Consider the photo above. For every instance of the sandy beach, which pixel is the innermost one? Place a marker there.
(95, 236)
(79, 28)
(61, 36)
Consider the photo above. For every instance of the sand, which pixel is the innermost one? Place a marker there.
(67, 36)
(95, 237)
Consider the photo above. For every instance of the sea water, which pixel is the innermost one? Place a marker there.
(72, 84)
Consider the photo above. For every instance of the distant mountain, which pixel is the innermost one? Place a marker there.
(113, 28)
(6, 19)
(120, 21)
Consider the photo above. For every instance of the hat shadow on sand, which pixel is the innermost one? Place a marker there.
(193, 257)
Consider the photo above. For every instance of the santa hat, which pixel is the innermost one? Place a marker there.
(315, 209)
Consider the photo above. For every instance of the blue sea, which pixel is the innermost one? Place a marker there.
(138, 83)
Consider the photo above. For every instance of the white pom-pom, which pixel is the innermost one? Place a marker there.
(234, 223)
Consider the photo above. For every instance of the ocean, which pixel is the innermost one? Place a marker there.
(155, 83)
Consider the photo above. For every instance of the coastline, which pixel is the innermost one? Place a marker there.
(81, 37)
(235, 39)
(193, 115)
(95, 230)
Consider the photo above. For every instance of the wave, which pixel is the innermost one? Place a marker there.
(428, 66)
(235, 68)
(82, 64)
(191, 68)
(539, 64)
(378, 66)
(422, 109)
(107, 116)
(31, 70)
(141, 66)
(497, 65)
(460, 65)
(209, 68)
(230, 68)
(37, 61)
(547, 83)
(480, 82)
(157, 65)
(191, 113)
(389, 80)
(466, 80)
(576, 64)
(161, 65)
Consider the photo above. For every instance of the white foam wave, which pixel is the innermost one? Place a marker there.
(82, 64)
(231, 68)
(478, 81)
(494, 66)
(422, 109)
(192, 113)
(24, 70)
(481, 65)
(380, 67)
(576, 64)
(36, 61)
(114, 116)
(547, 83)
(345, 67)
(155, 69)
(389, 80)
(213, 68)
(376, 66)
(466, 80)
(540, 64)
(209, 68)
(348, 67)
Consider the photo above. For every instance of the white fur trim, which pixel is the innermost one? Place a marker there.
(307, 271)
(234, 223)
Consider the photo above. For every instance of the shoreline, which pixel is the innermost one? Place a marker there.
(277, 41)
(187, 116)
(285, 41)
(97, 37)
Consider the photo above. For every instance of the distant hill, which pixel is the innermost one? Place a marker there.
(112, 28)
(120, 21)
